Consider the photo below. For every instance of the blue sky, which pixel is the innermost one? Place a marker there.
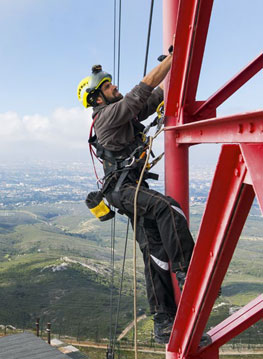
(48, 46)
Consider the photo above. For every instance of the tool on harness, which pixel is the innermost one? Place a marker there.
(157, 159)
(98, 207)
(160, 109)
(160, 115)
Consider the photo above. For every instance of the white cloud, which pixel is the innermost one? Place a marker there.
(65, 127)
(62, 135)
(36, 123)
(11, 126)
(72, 125)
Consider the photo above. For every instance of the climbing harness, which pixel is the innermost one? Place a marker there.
(118, 165)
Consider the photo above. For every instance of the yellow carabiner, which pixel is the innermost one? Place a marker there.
(160, 109)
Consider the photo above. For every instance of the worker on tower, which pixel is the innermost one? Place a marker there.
(162, 230)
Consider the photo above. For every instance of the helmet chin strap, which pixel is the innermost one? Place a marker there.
(104, 97)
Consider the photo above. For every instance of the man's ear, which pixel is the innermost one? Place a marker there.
(99, 100)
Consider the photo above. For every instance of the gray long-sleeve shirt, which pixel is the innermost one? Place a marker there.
(113, 124)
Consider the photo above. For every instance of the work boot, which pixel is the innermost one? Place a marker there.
(181, 277)
(219, 293)
(205, 340)
(163, 324)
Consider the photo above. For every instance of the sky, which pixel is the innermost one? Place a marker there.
(48, 46)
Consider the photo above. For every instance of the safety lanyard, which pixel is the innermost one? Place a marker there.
(92, 152)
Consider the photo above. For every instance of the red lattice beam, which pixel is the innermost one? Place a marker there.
(241, 128)
(237, 179)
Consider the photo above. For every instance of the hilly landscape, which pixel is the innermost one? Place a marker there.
(56, 265)
(56, 261)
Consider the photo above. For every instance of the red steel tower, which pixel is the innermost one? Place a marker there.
(237, 180)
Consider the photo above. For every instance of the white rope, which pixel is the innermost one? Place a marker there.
(134, 246)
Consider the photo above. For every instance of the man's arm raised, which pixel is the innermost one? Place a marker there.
(157, 75)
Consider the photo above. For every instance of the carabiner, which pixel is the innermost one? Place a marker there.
(132, 162)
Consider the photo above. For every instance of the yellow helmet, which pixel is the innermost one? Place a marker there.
(88, 88)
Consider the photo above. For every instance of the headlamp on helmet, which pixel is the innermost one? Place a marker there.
(88, 88)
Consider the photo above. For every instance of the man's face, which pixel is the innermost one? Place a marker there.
(111, 92)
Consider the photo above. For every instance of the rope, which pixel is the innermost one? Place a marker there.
(113, 341)
(119, 45)
(136, 198)
(112, 275)
(113, 221)
(93, 153)
(148, 38)
(116, 52)
(114, 40)
(134, 245)
(158, 133)
(138, 186)
(121, 282)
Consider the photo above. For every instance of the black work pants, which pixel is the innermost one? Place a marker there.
(163, 237)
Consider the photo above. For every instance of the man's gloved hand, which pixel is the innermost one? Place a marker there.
(162, 57)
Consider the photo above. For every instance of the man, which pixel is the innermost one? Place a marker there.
(162, 231)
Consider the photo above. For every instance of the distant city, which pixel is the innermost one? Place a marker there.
(23, 184)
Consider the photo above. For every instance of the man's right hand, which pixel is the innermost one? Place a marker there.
(162, 57)
(157, 75)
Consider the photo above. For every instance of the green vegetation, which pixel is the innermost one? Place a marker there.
(98, 353)
(55, 265)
